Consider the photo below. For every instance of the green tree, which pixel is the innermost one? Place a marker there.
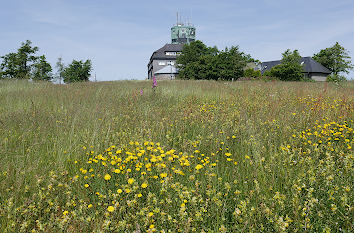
(77, 71)
(231, 63)
(19, 65)
(290, 68)
(9, 66)
(335, 58)
(192, 60)
(42, 70)
(198, 61)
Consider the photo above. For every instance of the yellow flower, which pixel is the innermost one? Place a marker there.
(228, 154)
(65, 212)
(89, 206)
(116, 171)
(131, 180)
(127, 190)
(144, 185)
(150, 214)
(163, 175)
(110, 208)
(107, 177)
(86, 185)
(151, 226)
(140, 195)
(119, 191)
(198, 167)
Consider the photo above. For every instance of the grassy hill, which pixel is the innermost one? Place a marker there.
(189, 156)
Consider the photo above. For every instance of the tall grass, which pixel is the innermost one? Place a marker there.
(279, 176)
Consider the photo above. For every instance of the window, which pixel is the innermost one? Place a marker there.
(162, 63)
(170, 53)
(171, 63)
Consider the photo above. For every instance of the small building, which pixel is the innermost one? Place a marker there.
(162, 59)
(311, 68)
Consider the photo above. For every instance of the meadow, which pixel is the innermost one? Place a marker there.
(187, 156)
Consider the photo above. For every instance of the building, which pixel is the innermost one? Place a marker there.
(165, 56)
(164, 59)
(311, 68)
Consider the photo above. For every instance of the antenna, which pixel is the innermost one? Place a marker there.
(177, 18)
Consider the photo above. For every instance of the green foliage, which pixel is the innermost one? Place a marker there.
(289, 69)
(251, 73)
(77, 71)
(42, 70)
(336, 78)
(198, 61)
(24, 64)
(335, 58)
(272, 157)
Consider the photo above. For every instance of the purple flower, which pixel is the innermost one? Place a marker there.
(154, 82)
(141, 91)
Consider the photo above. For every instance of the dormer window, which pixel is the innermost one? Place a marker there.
(170, 53)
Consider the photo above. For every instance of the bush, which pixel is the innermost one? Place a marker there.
(251, 73)
(335, 78)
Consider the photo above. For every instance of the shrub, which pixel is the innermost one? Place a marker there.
(335, 78)
(251, 73)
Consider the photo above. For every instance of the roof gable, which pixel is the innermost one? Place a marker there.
(161, 53)
(308, 63)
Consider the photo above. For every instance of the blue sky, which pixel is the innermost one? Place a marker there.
(120, 36)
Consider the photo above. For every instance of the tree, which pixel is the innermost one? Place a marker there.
(19, 65)
(26, 57)
(198, 61)
(60, 69)
(335, 58)
(9, 66)
(290, 68)
(42, 70)
(192, 59)
(231, 63)
(77, 71)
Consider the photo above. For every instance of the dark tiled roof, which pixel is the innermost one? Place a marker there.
(309, 65)
(160, 53)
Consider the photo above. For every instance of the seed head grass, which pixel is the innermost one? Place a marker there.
(186, 156)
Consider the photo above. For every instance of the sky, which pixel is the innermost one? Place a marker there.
(120, 36)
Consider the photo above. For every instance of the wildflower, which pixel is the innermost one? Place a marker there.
(119, 191)
(154, 82)
(110, 208)
(163, 175)
(65, 212)
(144, 185)
(86, 185)
(107, 177)
(150, 214)
(198, 167)
(131, 180)
(89, 206)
